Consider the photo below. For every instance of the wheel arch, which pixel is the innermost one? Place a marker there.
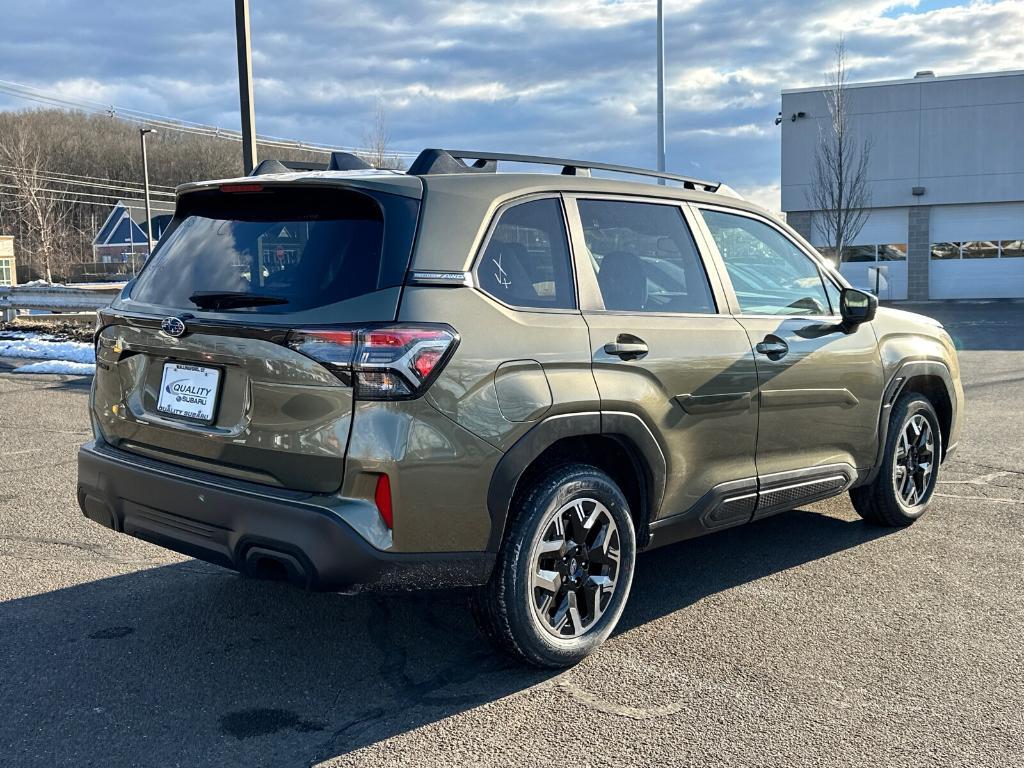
(619, 444)
(930, 378)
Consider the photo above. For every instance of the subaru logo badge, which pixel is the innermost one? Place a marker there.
(173, 326)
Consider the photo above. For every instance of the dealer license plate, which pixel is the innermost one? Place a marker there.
(189, 391)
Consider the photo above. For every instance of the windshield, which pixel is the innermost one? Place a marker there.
(276, 250)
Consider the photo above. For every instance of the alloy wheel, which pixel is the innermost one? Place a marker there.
(914, 462)
(575, 567)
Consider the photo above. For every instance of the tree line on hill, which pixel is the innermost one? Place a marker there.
(62, 172)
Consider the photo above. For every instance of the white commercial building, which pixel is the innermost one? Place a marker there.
(946, 175)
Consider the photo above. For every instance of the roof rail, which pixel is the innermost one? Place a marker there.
(432, 161)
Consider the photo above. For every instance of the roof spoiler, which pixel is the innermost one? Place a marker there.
(340, 161)
(434, 161)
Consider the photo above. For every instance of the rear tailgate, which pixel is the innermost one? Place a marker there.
(238, 270)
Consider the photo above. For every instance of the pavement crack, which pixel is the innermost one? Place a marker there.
(592, 700)
(96, 550)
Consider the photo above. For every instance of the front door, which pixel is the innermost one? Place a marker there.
(664, 351)
(820, 383)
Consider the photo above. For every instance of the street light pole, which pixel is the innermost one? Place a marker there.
(145, 183)
(245, 85)
(661, 89)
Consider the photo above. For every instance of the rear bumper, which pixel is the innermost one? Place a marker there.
(303, 539)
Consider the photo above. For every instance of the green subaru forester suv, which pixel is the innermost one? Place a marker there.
(512, 382)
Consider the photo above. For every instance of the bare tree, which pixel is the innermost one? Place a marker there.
(40, 206)
(839, 192)
(376, 141)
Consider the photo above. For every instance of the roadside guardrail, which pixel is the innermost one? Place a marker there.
(52, 297)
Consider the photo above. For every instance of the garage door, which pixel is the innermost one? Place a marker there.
(881, 265)
(976, 252)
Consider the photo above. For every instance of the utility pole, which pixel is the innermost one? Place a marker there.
(245, 85)
(661, 89)
(143, 132)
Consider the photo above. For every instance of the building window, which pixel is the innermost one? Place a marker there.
(1009, 249)
(893, 252)
(859, 253)
(945, 251)
(868, 253)
(978, 249)
(6, 272)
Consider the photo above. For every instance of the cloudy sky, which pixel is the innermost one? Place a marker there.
(573, 77)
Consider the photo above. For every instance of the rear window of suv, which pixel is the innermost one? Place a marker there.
(288, 249)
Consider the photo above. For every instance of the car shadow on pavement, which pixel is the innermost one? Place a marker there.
(189, 664)
(46, 380)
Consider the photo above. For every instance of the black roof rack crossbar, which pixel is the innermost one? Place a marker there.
(434, 161)
(285, 166)
(340, 161)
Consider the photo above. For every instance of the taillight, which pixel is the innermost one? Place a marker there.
(382, 363)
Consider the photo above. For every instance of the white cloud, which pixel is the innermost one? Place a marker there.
(574, 77)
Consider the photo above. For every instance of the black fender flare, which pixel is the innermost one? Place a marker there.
(628, 428)
(907, 371)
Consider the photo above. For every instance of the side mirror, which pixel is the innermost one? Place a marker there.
(857, 307)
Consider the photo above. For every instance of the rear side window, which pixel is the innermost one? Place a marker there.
(645, 258)
(280, 249)
(526, 262)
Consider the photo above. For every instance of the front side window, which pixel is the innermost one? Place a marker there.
(644, 257)
(769, 274)
(526, 262)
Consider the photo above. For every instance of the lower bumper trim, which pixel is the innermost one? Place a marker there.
(258, 534)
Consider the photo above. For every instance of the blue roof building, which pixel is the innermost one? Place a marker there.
(120, 238)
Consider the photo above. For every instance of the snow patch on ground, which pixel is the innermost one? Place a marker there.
(40, 346)
(55, 355)
(58, 366)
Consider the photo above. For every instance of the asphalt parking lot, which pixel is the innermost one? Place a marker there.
(807, 639)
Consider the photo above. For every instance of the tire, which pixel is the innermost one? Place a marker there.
(889, 499)
(527, 613)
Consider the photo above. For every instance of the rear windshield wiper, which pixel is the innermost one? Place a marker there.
(232, 299)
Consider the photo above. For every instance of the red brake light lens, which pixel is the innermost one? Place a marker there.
(388, 363)
(241, 188)
(425, 360)
(382, 498)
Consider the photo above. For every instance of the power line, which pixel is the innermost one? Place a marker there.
(174, 124)
(69, 192)
(82, 177)
(88, 184)
(131, 204)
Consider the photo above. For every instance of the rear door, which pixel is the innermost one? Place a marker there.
(193, 366)
(820, 383)
(663, 350)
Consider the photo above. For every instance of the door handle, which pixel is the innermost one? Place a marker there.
(772, 347)
(627, 347)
